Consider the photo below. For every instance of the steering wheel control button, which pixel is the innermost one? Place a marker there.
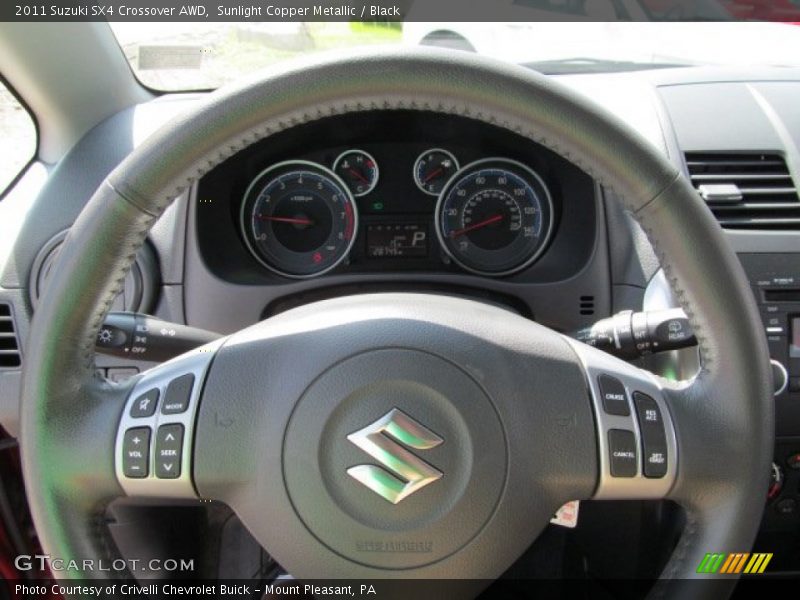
(622, 453)
(615, 399)
(654, 437)
(145, 405)
(176, 399)
(169, 451)
(136, 452)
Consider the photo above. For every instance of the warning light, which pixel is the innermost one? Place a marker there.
(317, 258)
(377, 206)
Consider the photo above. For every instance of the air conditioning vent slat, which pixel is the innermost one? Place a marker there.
(727, 177)
(786, 191)
(734, 163)
(751, 206)
(762, 194)
(755, 223)
(10, 357)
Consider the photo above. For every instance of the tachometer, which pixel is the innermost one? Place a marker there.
(299, 219)
(494, 217)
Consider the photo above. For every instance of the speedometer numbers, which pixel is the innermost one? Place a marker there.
(299, 219)
(494, 217)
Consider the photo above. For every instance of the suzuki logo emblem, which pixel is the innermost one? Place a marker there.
(404, 473)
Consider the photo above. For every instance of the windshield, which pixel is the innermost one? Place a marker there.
(194, 56)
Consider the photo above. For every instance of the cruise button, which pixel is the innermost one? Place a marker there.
(136, 452)
(169, 451)
(654, 437)
(622, 453)
(615, 399)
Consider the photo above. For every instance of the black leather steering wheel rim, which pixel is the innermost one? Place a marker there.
(726, 411)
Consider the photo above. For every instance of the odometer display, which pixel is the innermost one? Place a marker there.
(494, 217)
(299, 219)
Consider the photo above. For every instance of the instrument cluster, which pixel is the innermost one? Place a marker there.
(493, 216)
(385, 197)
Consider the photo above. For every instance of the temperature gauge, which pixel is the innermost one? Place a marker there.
(433, 169)
(358, 170)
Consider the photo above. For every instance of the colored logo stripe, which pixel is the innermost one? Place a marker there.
(734, 563)
(758, 563)
(710, 563)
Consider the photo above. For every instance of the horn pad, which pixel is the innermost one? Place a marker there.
(395, 458)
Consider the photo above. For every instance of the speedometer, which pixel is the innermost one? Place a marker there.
(494, 217)
(299, 219)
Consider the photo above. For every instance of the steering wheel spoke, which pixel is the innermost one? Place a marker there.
(156, 435)
(637, 445)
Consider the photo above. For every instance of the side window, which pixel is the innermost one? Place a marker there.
(17, 137)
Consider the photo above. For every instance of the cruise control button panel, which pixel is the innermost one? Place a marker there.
(637, 445)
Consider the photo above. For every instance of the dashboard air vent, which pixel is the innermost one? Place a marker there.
(9, 346)
(746, 191)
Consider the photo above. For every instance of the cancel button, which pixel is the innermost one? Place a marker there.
(622, 453)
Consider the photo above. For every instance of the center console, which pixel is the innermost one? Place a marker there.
(775, 281)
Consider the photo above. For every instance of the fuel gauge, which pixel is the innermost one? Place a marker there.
(434, 168)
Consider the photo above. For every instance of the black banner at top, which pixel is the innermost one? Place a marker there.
(400, 10)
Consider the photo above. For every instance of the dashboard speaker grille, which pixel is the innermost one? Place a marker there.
(9, 345)
(746, 191)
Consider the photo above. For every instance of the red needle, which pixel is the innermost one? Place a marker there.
(294, 221)
(358, 175)
(432, 174)
(483, 223)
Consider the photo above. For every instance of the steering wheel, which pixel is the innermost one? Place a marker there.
(399, 435)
